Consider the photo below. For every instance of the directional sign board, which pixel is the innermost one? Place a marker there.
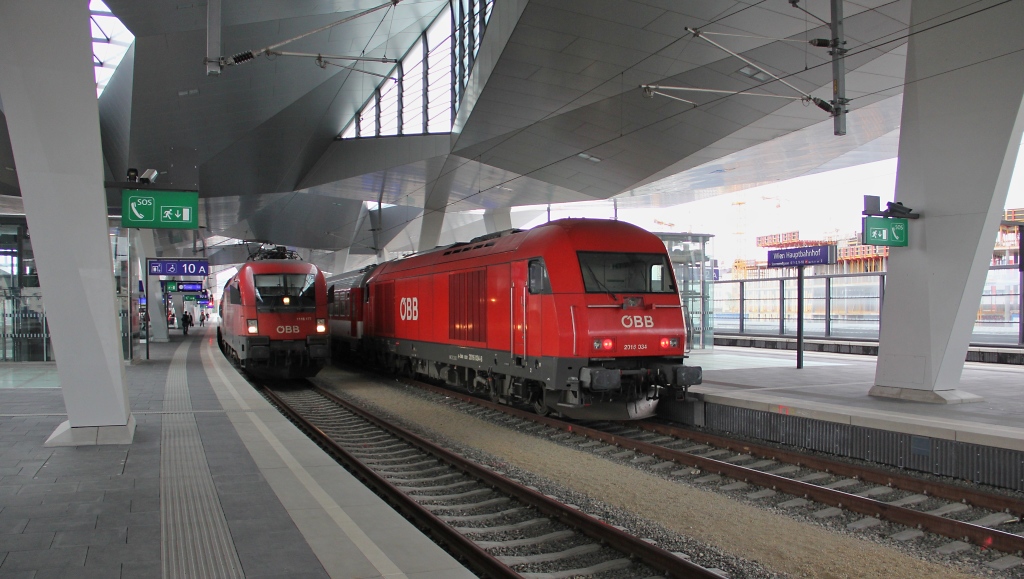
(151, 209)
(885, 231)
(190, 286)
(814, 255)
(178, 267)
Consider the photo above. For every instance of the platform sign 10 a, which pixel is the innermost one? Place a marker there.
(889, 231)
(151, 209)
(197, 267)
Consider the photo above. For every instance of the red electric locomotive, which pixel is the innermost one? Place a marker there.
(274, 316)
(578, 316)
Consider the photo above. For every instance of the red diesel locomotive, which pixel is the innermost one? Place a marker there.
(274, 316)
(578, 316)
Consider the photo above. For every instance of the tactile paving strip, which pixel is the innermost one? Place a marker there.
(195, 540)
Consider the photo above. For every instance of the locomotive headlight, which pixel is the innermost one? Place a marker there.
(667, 343)
(286, 300)
(604, 344)
(253, 327)
(321, 325)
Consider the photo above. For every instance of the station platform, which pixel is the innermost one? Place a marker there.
(216, 484)
(834, 387)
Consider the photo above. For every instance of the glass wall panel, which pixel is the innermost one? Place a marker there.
(727, 306)
(761, 306)
(389, 108)
(998, 321)
(439, 75)
(814, 307)
(412, 91)
(855, 306)
(368, 119)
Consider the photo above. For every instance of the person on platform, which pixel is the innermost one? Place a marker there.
(202, 319)
(186, 321)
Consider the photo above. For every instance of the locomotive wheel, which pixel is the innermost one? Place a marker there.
(407, 370)
(539, 406)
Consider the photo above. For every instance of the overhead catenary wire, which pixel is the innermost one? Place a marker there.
(655, 87)
(698, 34)
(248, 55)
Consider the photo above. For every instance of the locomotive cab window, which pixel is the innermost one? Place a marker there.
(606, 272)
(539, 282)
(292, 291)
(234, 295)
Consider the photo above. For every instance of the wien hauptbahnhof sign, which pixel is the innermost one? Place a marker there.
(814, 255)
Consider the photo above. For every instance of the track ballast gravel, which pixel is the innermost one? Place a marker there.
(716, 531)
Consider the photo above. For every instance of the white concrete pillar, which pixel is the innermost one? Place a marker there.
(434, 208)
(340, 261)
(145, 248)
(496, 220)
(963, 114)
(49, 95)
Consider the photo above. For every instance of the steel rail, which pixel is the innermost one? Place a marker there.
(977, 498)
(478, 558)
(983, 536)
(595, 528)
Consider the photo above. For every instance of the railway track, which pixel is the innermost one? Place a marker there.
(500, 527)
(791, 480)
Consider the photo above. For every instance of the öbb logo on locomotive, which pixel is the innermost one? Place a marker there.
(409, 309)
(287, 329)
(637, 321)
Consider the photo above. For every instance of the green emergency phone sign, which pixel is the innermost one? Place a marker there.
(152, 209)
(889, 231)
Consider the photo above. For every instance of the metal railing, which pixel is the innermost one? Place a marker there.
(848, 307)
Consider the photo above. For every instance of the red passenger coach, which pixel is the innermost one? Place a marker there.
(274, 317)
(578, 316)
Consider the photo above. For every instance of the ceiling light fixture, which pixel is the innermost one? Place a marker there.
(589, 157)
(753, 73)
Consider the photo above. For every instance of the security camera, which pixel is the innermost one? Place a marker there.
(133, 175)
(148, 176)
(897, 209)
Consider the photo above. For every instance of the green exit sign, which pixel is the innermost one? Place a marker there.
(190, 297)
(171, 286)
(151, 209)
(885, 231)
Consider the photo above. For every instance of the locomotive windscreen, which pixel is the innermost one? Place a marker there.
(625, 272)
(291, 291)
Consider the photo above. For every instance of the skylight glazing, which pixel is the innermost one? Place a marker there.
(427, 86)
(110, 41)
